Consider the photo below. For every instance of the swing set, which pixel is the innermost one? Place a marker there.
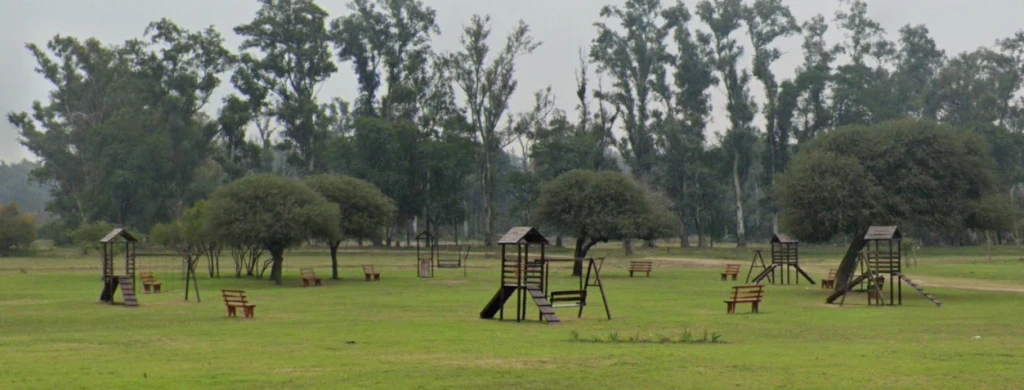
(431, 255)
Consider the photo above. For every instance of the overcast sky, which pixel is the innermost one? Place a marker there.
(562, 25)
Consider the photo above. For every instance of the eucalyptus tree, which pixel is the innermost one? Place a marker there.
(635, 55)
(724, 18)
(487, 83)
(286, 57)
(804, 108)
(862, 93)
(918, 62)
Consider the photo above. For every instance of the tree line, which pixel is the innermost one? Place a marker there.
(125, 135)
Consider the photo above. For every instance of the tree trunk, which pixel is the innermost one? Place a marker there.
(558, 241)
(684, 236)
(582, 247)
(848, 267)
(488, 199)
(627, 246)
(741, 232)
(277, 258)
(334, 258)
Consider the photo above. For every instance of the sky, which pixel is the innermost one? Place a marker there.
(563, 27)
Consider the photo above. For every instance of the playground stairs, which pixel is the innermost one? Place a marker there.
(128, 292)
(920, 290)
(546, 311)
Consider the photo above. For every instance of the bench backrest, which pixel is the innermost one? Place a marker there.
(368, 269)
(732, 268)
(146, 276)
(748, 293)
(641, 264)
(234, 297)
(831, 274)
(308, 272)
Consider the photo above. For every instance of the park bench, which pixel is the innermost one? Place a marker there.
(309, 275)
(745, 294)
(731, 269)
(370, 274)
(830, 281)
(149, 283)
(234, 299)
(640, 266)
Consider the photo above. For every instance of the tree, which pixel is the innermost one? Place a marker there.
(150, 137)
(17, 230)
(863, 94)
(292, 39)
(364, 211)
(273, 211)
(767, 21)
(682, 136)
(804, 109)
(635, 59)
(723, 17)
(488, 84)
(918, 63)
(596, 207)
(916, 173)
(394, 34)
(87, 236)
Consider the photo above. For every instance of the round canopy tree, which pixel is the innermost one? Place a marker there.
(600, 206)
(915, 173)
(365, 210)
(273, 211)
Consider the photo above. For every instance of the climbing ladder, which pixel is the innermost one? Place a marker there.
(919, 289)
(128, 291)
(547, 313)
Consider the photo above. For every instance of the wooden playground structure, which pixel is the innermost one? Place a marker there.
(431, 255)
(785, 259)
(125, 281)
(881, 260)
(528, 279)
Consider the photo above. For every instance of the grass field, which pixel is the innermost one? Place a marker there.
(406, 332)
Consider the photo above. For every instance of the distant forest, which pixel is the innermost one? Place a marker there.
(124, 137)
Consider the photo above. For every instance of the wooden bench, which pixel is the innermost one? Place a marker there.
(745, 294)
(309, 275)
(830, 281)
(149, 283)
(234, 299)
(731, 269)
(370, 274)
(640, 266)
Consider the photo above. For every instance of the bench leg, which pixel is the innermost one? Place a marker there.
(648, 274)
(730, 308)
(319, 282)
(734, 276)
(755, 306)
(376, 277)
(248, 311)
(156, 288)
(231, 311)
(723, 277)
(145, 288)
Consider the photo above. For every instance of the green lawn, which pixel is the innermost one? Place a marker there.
(406, 332)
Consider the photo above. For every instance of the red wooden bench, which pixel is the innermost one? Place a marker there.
(234, 299)
(745, 294)
(830, 281)
(309, 275)
(149, 283)
(731, 269)
(640, 266)
(370, 274)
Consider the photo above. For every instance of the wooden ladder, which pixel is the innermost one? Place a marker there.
(919, 289)
(546, 311)
(128, 291)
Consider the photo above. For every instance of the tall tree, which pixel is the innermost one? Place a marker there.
(365, 212)
(918, 63)
(767, 21)
(804, 108)
(487, 85)
(286, 53)
(634, 54)
(724, 17)
(862, 93)
(388, 42)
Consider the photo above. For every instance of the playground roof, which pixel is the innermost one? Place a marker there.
(523, 235)
(119, 232)
(883, 233)
(783, 239)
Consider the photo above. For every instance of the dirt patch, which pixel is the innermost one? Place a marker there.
(25, 302)
(505, 363)
(449, 283)
(966, 284)
(688, 263)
